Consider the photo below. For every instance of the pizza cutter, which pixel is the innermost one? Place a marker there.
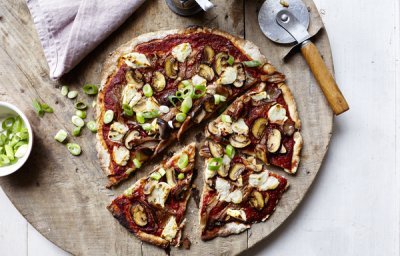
(286, 22)
(189, 7)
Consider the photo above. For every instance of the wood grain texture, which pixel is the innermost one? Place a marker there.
(64, 197)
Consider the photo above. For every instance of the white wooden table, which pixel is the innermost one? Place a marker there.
(353, 207)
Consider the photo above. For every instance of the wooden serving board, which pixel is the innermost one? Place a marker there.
(64, 197)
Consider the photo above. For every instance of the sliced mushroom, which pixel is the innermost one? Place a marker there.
(288, 127)
(200, 116)
(257, 200)
(206, 72)
(259, 126)
(236, 170)
(235, 110)
(241, 75)
(135, 78)
(274, 140)
(170, 175)
(261, 152)
(149, 186)
(212, 128)
(139, 215)
(158, 81)
(163, 129)
(208, 54)
(216, 149)
(223, 171)
(266, 199)
(268, 69)
(250, 80)
(273, 79)
(205, 151)
(239, 141)
(171, 67)
(132, 136)
(220, 62)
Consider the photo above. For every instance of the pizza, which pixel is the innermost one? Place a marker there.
(153, 208)
(263, 123)
(238, 191)
(158, 85)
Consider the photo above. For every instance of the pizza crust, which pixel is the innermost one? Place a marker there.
(298, 144)
(289, 99)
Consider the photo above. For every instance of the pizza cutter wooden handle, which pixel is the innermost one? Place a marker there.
(324, 78)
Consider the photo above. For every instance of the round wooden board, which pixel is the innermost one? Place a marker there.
(64, 197)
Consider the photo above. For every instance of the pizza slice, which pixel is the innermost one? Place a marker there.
(237, 191)
(262, 123)
(158, 85)
(153, 208)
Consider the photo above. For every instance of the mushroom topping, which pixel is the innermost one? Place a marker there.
(216, 149)
(274, 140)
(171, 67)
(146, 105)
(208, 54)
(236, 170)
(229, 76)
(239, 141)
(121, 155)
(223, 171)
(163, 129)
(259, 127)
(134, 78)
(220, 62)
(240, 127)
(261, 152)
(277, 114)
(158, 81)
(136, 60)
(257, 200)
(237, 214)
(236, 196)
(266, 199)
(170, 176)
(273, 79)
(149, 186)
(235, 110)
(241, 75)
(288, 128)
(268, 69)
(259, 96)
(139, 215)
(182, 51)
(132, 136)
(117, 131)
(206, 72)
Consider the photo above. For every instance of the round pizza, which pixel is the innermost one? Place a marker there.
(157, 86)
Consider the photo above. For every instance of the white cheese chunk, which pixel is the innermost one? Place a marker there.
(182, 51)
(237, 214)
(277, 114)
(170, 229)
(121, 155)
(164, 109)
(136, 60)
(130, 96)
(236, 196)
(259, 96)
(159, 194)
(272, 183)
(198, 80)
(259, 180)
(240, 127)
(222, 186)
(228, 76)
(117, 131)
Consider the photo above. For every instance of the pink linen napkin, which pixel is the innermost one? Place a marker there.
(70, 29)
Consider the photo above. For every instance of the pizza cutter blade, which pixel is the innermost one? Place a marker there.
(286, 22)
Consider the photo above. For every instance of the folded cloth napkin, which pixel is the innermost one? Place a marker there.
(70, 29)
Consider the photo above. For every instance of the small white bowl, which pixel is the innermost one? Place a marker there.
(7, 109)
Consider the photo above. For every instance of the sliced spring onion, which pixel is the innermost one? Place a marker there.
(61, 136)
(155, 176)
(127, 110)
(181, 176)
(226, 119)
(92, 126)
(90, 89)
(9, 152)
(77, 121)
(4, 160)
(199, 91)
(151, 114)
(19, 144)
(230, 60)
(74, 149)
(72, 94)
(147, 127)
(80, 105)
(183, 161)
(76, 131)
(17, 126)
(137, 163)
(173, 99)
(21, 151)
(219, 98)
(46, 108)
(38, 108)
(186, 105)
(140, 118)
(180, 117)
(8, 123)
(108, 116)
(64, 90)
(230, 151)
(251, 63)
(81, 113)
(214, 164)
(187, 92)
(147, 90)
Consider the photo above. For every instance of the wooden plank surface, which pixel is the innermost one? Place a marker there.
(64, 196)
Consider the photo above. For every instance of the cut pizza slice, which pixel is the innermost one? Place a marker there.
(263, 123)
(158, 85)
(237, 191)
(153, 208)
